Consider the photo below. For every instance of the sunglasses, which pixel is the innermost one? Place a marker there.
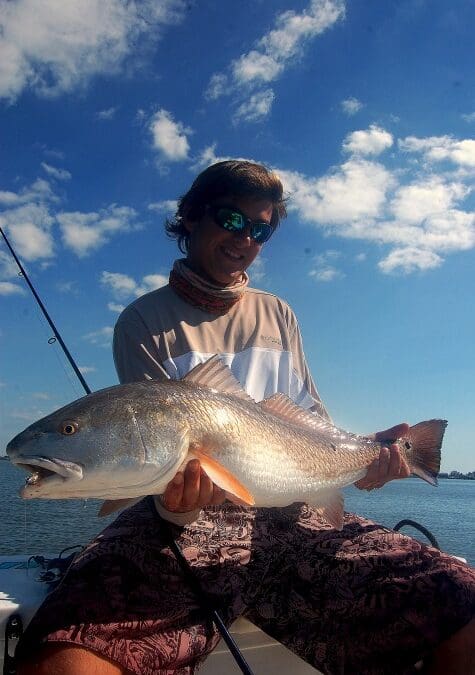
(233, 220)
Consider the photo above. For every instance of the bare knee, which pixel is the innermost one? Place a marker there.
(456, 655)
(66, 659)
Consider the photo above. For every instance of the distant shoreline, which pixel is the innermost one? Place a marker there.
(457, 475)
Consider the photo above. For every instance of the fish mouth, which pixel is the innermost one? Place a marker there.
(46, 471)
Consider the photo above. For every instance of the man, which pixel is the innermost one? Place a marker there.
(363, 600)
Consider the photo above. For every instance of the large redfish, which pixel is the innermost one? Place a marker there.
(128, 441)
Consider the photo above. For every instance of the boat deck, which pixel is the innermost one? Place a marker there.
(21, 592)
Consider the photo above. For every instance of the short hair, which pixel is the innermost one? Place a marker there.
(239, 178)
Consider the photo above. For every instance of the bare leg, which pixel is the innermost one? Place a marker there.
(65, 659)
(455, 656)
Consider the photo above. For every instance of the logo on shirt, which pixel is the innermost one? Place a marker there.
(272, 339)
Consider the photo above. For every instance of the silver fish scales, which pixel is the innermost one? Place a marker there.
(128, 441)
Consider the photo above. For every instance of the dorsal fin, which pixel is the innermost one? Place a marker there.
(282, 406)
(214, 374)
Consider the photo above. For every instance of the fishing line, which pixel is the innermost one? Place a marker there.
(188, 574)
(24, 526)
(52, 342)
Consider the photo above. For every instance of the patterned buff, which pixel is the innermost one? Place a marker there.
(201, 293)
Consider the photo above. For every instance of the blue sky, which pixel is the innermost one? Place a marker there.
(366, 110)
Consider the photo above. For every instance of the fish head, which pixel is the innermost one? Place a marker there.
(113, 443)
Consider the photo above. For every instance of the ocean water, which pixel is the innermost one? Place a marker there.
(44, 526)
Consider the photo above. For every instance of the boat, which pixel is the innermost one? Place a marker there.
(25, 582)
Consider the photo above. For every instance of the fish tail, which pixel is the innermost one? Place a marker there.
(424, 455)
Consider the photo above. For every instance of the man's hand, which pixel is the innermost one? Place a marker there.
(390, 464)
(191, 489)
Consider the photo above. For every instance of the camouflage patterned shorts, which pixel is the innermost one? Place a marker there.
(365, 600)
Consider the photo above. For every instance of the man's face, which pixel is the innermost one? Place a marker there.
(219, 255)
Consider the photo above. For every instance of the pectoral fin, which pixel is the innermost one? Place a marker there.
(236, 500)
(330, 505)
(225, 479)
(113, 505)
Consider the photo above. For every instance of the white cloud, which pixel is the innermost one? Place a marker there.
(41, 395)
(325, 274)
(453, 230)
(29, 229)
(101, 337)
(419, 214)
(207, 157)
(257, 270)
(30, 240)
(356, 190)
(324, 269)
(39, 191)
(52, 46)
(169, 137)
(59, 174)
(8, 198)
(30, 218)
(439, 148)
(256, 107)
(168, 206)
(115, 307)
(83, 233)
(326, 256)
(151, 282)
(255, 66)
(449, 231)
(218, 86)
(107, 114)
(122, 286)
(66, 287)
(8, 288)
(372, 141)
(28, 221)
(469, 117)
(274, 52)
(286, 40)
(416, 202)
(408, 260)
(85, 370)
(351, 105)
(8, 267)
(55, 154)
(80, 233)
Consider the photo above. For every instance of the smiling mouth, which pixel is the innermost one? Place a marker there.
(236, 257)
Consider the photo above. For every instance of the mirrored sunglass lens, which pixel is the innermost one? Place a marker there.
(230, 220)
(261, 232)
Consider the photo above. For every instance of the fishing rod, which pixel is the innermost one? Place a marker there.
(190, 577)
(57, 336)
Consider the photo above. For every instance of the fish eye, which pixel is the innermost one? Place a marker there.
(407, 445)
(68, 428)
